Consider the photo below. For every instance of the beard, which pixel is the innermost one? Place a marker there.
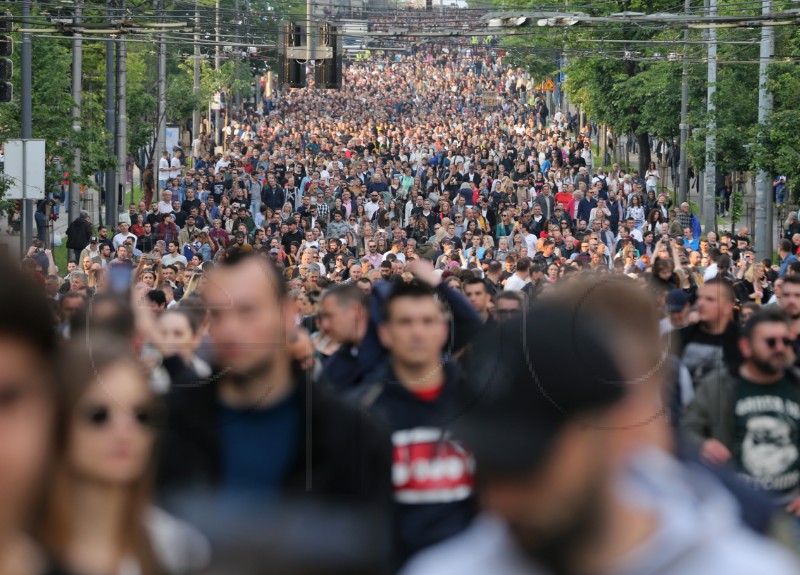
(770, 365)
(558, 549)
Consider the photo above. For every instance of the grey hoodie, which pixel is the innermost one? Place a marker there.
(699, 533)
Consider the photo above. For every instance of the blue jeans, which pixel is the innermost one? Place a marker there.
(41, 225)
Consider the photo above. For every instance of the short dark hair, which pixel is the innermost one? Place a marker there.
(724, 285)
(414, 289)
(524, 264)
(157, 297)
(24, 313)
(476, 281)
(785, 245)
(237, 257)
(517, 296)
(770, 314)
(347, 294)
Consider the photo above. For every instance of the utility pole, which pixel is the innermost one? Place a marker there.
(683, 166)
(161, 126)
(217, 138)
(26, 108)
(764, 204)
(709, 197)
(110, 185)
(77, 84)
(122, 122)
(237, 96)
(196, 69)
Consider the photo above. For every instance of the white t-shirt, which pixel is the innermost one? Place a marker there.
(196, 147)
(530, 241)
(514, 283)
(163, 169)
(711, 272)
(371, 208)
(175, 164)
(119, 239)
(169, 259)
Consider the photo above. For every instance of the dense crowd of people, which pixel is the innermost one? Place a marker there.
(437, 316)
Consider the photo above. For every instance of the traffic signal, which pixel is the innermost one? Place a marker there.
(6, 49)
(291, 72)
(328, 72)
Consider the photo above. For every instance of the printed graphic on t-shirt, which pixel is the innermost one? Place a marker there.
(768, 434)
(429, 467)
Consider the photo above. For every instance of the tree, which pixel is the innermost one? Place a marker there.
(52, 103)
(776, 150)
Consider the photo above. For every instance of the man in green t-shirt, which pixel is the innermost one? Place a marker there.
(750, 418)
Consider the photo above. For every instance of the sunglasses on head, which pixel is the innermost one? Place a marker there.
(100, 416)
(773, 341)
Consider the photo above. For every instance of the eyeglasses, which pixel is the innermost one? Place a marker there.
(100, 416)
(773, 341)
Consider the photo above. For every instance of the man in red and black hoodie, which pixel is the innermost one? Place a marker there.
(413, 395)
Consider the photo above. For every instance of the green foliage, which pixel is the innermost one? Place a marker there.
(776, 150)
(51, 94)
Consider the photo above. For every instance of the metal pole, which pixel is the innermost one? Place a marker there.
(764, 204)
(709, 211)
(77, 85)
(110, 185)
(217, 139)
(196, 67)
(161, 134)
(122, 123)
(26, 107)
(237, 61)
(683, 166)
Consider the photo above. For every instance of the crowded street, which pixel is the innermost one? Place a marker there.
(425, 323)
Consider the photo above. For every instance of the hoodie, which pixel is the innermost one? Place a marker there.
(698, 532)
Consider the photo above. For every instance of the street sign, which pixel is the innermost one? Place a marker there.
(24, 169)
(546, 86)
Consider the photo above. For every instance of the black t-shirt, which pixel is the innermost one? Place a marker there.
(767, 436)
(217, 191)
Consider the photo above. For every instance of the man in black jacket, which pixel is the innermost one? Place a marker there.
(79, 232)
(413, 395)
(260, 427)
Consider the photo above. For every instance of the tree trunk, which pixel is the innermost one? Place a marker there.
(644, 152)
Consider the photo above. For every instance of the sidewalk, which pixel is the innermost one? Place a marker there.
(10, 240)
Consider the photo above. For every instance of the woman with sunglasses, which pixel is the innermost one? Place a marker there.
(98, 516)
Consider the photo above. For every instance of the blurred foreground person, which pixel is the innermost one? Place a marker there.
(98, 517)
(571, 443)
(27, 406)
(260, 427)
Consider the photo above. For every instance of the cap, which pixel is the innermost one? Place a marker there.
(677, 300)
(93, 240)
(532, 377)
(239, 234)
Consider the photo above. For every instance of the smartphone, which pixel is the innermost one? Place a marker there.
(119, 279)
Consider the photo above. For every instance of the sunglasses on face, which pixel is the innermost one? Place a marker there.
(101, 415)
(773, 341)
